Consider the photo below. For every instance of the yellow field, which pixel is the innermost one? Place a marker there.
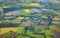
(4, 30)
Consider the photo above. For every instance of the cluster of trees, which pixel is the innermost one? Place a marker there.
(8, 24)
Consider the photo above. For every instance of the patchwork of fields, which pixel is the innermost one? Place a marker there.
(29, 19)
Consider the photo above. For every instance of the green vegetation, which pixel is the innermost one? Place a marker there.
(54, 6)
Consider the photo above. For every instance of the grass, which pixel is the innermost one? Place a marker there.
(30, 33)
